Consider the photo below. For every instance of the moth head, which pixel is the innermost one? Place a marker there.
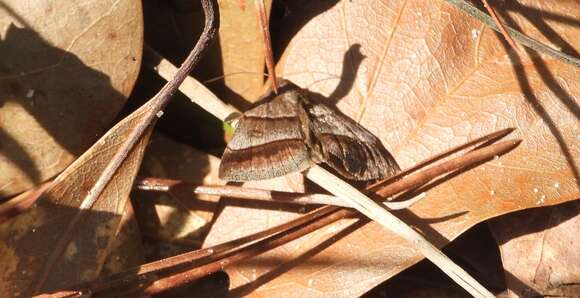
(233, 119)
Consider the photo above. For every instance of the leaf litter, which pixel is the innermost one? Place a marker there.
(430, 135)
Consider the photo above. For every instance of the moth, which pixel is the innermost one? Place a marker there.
(289, 132)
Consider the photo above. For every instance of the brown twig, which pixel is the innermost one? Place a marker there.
(176, 188)
(471, 158)
(252, 250)
(485, 140)
(160, 100)
(500, 25)
(269, 57)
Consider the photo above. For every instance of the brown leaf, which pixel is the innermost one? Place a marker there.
(126, 250)
(432, 79)
(59, 241)
(242, 50)
(65, 73)
(540, 251)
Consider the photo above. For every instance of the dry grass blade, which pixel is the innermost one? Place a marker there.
(192, 88)
(375, 212)
(76, 218)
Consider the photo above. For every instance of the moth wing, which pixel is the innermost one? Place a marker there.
(348, 147)
(267, 143)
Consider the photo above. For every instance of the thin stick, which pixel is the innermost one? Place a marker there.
(492, 137)
(471, 158)
(264, 24)
(517, 36)
(254, 194)
(149, 110)
(190, 87)
(500, 25)
(169, 282)
(159, 101)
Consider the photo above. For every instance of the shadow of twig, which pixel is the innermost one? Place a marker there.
(532, 99)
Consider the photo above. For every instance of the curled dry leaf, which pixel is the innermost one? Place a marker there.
(58, 242)
(65, 72)
(432, 79)
(540, 251)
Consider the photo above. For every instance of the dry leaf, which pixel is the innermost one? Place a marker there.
(65, 237)
(432, 78)
(540, 251)
(126, 251)
(242, 50)
(55, 244)
(65, 72)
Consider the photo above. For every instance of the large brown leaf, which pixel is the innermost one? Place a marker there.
(65, 71)
(432, 78)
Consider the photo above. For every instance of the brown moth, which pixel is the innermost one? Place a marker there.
(289, 132)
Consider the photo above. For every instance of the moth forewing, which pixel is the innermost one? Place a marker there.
(290, 132)
(268, 142)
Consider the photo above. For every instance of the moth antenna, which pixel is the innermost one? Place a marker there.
(264, 24)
